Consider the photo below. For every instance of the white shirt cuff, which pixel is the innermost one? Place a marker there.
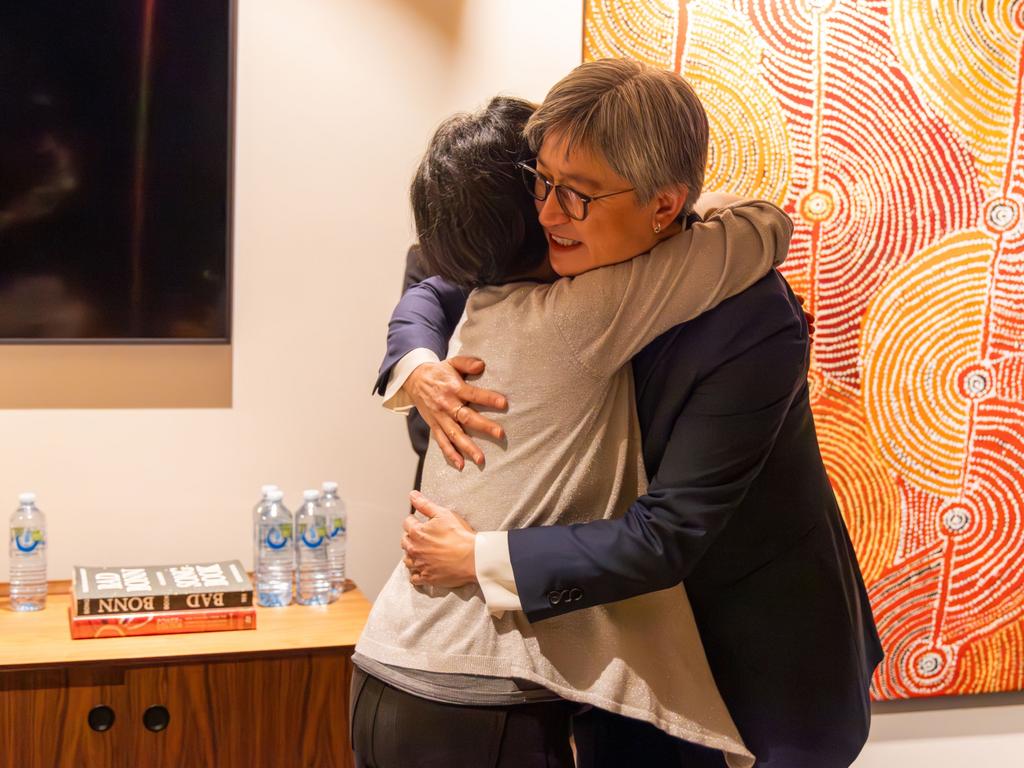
(494, 573)
(394, 398)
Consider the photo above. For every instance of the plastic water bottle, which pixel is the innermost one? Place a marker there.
(275, 551)
(28, 556)
(264, 495)
(257, 512)
(337, 533)
(313, 586)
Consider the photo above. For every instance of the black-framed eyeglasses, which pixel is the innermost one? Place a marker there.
(574, 204)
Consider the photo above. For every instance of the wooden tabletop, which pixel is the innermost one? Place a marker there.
(43, 639)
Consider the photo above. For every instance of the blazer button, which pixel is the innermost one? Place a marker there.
(575, 594)
(554, 597)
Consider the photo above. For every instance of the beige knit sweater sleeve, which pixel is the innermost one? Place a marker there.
(609, 314)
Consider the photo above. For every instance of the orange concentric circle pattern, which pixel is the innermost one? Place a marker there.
(891, 131)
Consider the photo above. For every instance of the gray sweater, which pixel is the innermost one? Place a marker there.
(560, 354)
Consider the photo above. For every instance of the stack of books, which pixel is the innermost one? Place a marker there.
(160, 600)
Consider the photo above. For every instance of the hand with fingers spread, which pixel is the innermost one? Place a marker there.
(439, 551)
(445, 400)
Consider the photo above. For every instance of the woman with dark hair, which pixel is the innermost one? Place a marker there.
(475, 222)
(440, 680)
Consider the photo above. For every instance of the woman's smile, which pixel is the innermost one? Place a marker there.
(562, 243)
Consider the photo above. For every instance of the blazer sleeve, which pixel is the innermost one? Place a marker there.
(425, 317)
(721, 439)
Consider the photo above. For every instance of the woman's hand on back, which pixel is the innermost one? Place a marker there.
(444, 399)
(440, 551)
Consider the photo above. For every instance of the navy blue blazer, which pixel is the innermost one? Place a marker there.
(739, 508)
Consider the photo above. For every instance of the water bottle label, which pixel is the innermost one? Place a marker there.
(278, 535)
(312, 536)
(337, 526)
(27, 539)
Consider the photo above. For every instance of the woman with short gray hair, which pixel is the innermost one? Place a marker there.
(647, 124)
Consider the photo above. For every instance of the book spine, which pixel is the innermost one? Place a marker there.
(196, 601)
(168, 623)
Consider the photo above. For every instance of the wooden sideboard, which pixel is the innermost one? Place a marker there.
(276, 696)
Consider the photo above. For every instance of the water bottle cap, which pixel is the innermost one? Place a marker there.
(27, 498)
(311, 495)
(330, 486)
(275, 495)
(266, 489)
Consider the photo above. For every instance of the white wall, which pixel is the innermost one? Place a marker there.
(328, 126)
(336, 101)
(953, 732)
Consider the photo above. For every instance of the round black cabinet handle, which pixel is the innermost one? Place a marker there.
(101, 718)
(156, 718)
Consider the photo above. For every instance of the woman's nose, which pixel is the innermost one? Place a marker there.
(550, 213)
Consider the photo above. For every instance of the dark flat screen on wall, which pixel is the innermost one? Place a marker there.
(115, 165)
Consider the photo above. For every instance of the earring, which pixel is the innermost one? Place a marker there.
(657, 227)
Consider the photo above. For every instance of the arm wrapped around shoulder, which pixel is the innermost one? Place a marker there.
(750, 228)
(609, 314)
(773, 224)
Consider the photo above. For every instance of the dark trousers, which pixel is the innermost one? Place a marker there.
(607, 740)
(394, 729)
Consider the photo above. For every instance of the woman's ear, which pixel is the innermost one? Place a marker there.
(669, 204)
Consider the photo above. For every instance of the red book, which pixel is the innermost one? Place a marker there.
(162, 623)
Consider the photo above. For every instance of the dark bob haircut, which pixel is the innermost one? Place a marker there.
(476, 223)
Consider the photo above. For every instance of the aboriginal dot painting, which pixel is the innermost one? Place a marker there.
(891, 132)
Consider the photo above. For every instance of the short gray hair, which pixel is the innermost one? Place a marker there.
(647, 124)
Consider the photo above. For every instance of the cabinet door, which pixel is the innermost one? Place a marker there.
(267, 711)
(284, 711)
(278, 711)
(44, 718)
